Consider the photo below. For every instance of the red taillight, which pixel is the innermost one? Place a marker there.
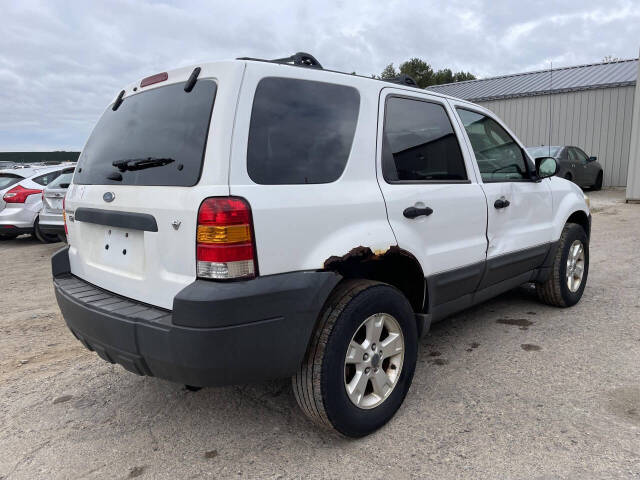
(225, 248)
(157, 78)
(19, 194)
(64, 215)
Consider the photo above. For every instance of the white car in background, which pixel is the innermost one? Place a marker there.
(21, 199)
(50, 220)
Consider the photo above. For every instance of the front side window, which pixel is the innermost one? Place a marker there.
(499, 157)
(419, 143)
(301, 131)
(580, 156)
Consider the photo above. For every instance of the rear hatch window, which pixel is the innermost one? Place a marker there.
(157, 137)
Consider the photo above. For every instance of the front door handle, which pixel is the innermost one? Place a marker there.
(501, 203)
(413, 212)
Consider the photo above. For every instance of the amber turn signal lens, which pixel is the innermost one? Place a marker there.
(224, 234)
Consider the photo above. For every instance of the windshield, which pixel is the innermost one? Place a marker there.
(543, 151)
(8, 179)
(62, 181)
(163, 123)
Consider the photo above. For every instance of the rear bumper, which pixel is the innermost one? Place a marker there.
(217, 333)
(19, 217)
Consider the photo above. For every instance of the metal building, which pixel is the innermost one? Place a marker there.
(589, 106)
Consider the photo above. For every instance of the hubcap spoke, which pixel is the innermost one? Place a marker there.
(374, 328)
(357, 387)
(355, 353)
(381, 383)
(392, 345)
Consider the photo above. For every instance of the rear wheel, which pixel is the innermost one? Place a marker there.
(361, 360)
(43, 237)
(568, 277)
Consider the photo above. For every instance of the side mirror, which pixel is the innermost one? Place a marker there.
(593, 159)
(546, 167)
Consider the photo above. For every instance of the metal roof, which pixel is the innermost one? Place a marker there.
(567, 79)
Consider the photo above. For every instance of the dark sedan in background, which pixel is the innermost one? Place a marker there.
(575, 165)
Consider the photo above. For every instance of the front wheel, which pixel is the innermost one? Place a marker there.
(598, 184)
(361, 360)
(569, 271)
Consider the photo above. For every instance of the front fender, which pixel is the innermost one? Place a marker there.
(567, 199)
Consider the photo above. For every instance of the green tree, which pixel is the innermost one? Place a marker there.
(389, 72)
(424, 75)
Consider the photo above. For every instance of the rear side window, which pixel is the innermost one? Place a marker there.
(47, 178)
(301, 131)
(165, 127)
(8, 179)
(419, 143)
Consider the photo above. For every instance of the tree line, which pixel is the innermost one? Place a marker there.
(424, 74)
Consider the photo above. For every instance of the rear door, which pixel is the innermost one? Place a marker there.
(520, 208)
(435, 205)
(134, 222)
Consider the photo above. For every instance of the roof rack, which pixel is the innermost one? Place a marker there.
(300, 59)
(403, 79)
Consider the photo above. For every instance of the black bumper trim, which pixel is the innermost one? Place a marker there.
(51, 229)
(236, 335)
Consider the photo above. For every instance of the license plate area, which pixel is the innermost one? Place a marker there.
(118, 250)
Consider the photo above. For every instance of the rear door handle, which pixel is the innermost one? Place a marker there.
(501, 203)
(413, 212)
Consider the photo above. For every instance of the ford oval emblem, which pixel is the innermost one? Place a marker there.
(109, 196)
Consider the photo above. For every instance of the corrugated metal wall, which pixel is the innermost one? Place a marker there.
(598, 121)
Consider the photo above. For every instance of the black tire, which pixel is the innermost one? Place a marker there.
(598, 184)
(555, 291)
(569, 177)
(43, 237)
(319, 384)
(8, 236)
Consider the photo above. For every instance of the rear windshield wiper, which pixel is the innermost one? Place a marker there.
(141, 163)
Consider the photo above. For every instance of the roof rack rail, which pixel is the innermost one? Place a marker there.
(300, 59)
(404, 79)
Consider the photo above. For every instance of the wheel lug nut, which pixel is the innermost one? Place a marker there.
(373, 347)
(375, 370)
(365, 356)
(367, 370)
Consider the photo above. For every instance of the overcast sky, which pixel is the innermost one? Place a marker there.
(62, 62)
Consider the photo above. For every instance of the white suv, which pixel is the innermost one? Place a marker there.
(251, 219)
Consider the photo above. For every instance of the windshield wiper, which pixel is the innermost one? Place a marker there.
(141, 163)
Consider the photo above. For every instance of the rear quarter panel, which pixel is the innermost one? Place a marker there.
(567, 199)
(299, 227)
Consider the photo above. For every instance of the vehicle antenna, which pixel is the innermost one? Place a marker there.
(550, 104)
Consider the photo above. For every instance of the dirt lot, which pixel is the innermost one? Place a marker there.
(510, 389)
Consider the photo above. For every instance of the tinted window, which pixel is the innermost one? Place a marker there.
(419, 143)
(301, 131)
(162, 123)
(47, 178)
(8, 179)
(579, 155)
(499, 157)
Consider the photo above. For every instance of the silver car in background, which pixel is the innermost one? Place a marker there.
(21, 199)
(50, 219)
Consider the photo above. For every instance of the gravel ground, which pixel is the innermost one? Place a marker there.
(509, 389)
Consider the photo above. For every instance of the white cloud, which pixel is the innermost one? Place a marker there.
(62, 62)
